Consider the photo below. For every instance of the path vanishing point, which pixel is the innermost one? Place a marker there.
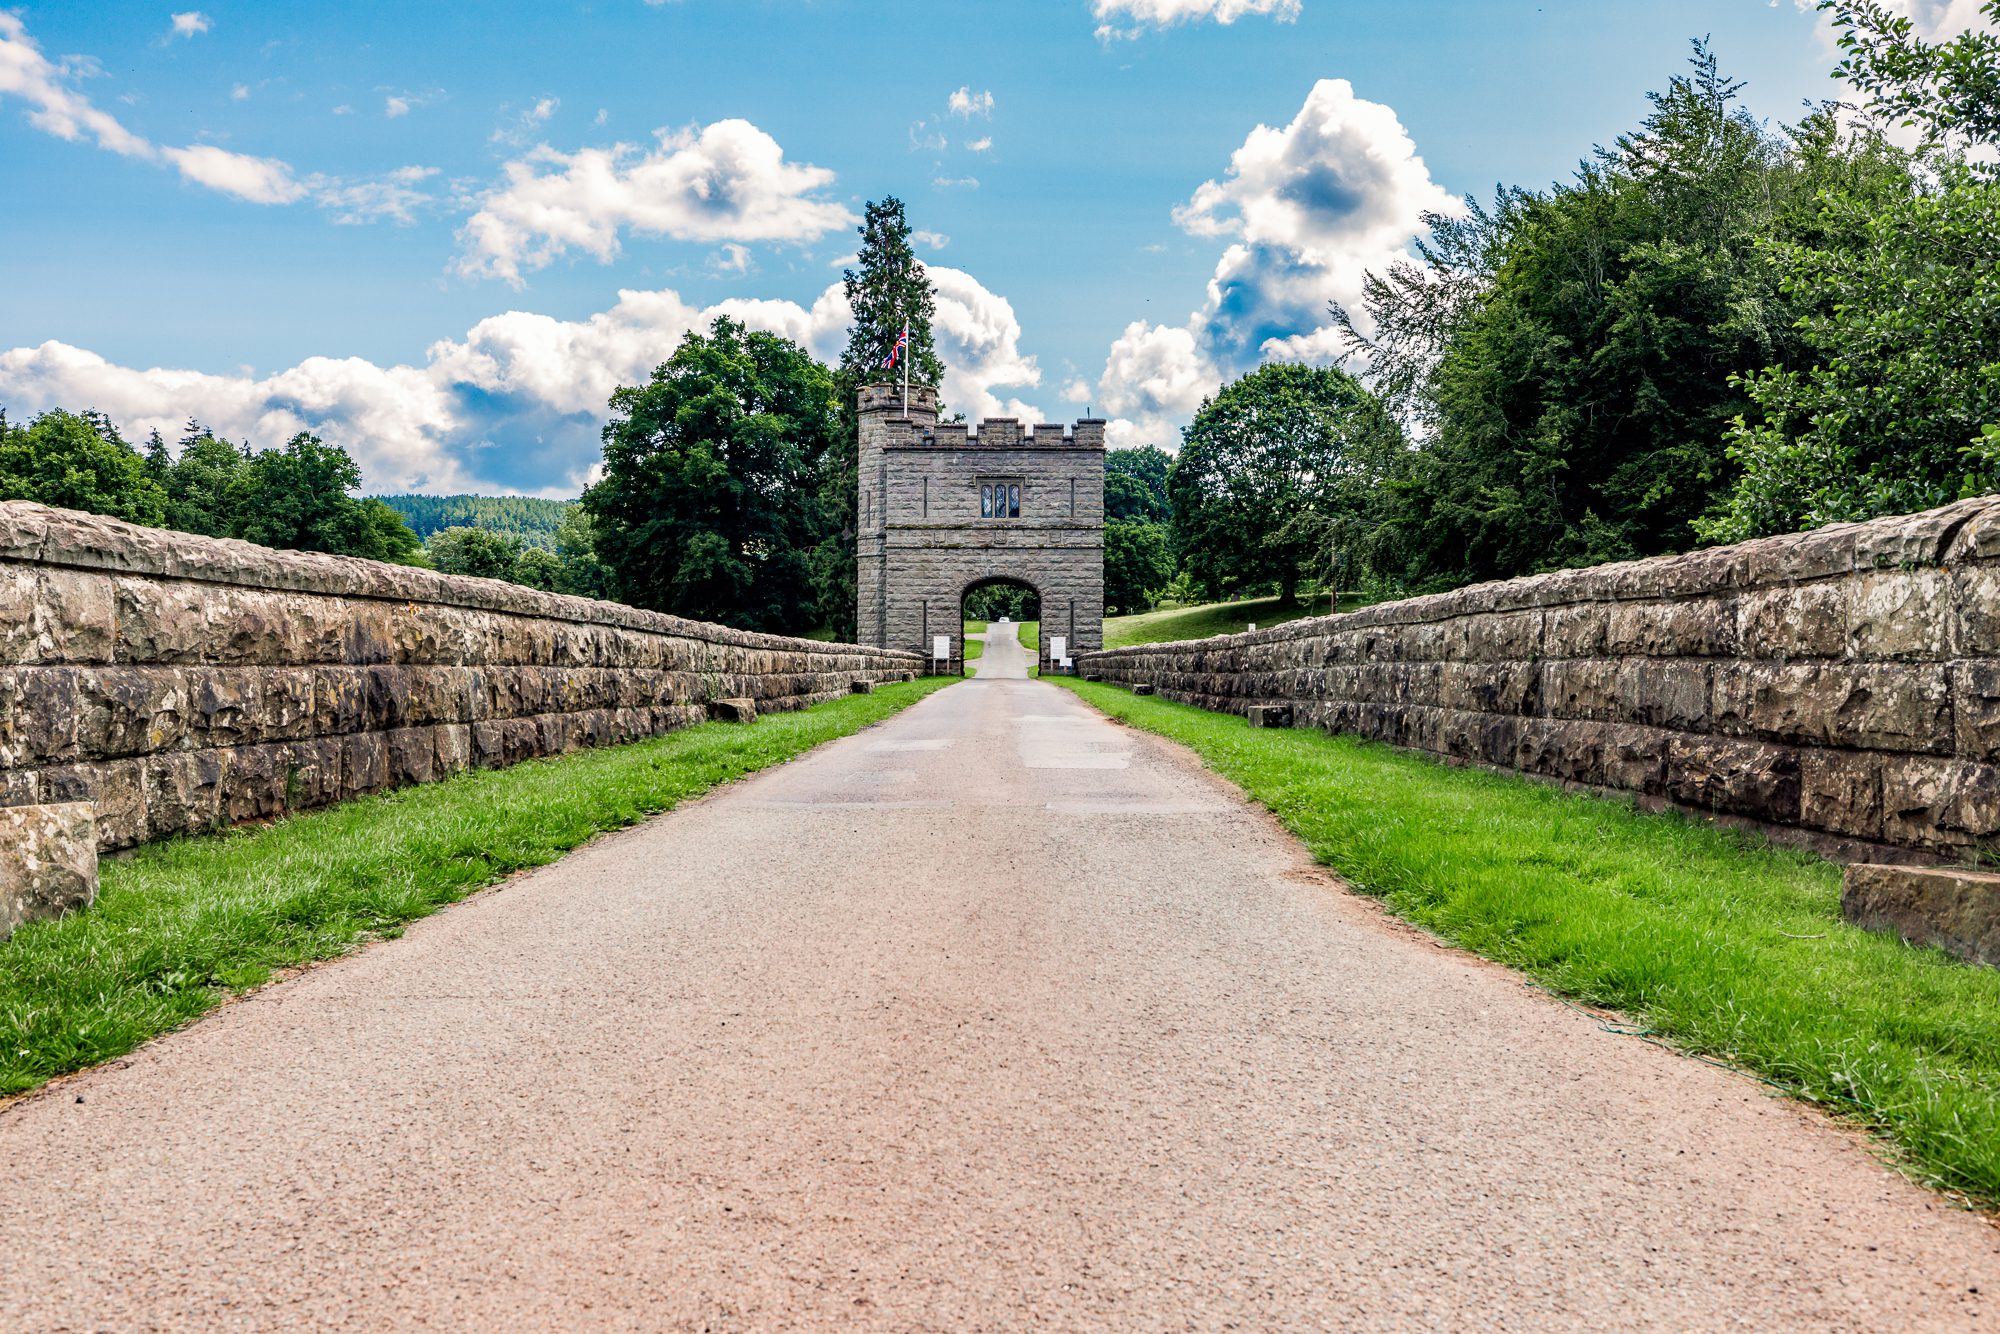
(995, 1016)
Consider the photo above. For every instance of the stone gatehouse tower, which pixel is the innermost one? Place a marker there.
(945, 508)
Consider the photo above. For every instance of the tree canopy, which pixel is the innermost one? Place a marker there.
(709, 501)
(78, 462)
(1575, 359)
(1273, 472)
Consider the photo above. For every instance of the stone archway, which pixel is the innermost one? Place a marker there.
(986, 600)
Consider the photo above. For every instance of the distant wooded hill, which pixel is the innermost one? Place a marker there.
(533, 522)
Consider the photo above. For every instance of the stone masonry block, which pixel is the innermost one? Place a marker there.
(48, 862)
(1957, 911)
(1802, 621)
(1901, 614)
(1735, 777)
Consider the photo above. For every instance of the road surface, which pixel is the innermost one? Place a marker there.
(996, 1016)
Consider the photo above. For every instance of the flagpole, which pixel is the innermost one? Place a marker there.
(906, 368)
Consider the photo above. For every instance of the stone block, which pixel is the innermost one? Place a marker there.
(860, 687)
(1270, 715)
(1901, 614)
(739, 710)
(56, 616)
(1840, 792)
(1940, 804)
(115, 788)
(1663, 693)
(1143, 688)
(48, 862)
(1802, 621)
(1734, 777)
(1877, 706)
(1687, 628)
(1954, 910)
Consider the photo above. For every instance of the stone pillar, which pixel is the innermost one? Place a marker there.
(48, 861)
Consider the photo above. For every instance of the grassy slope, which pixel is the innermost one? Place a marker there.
(1214, 618)
(177, 926)
(1715, 942)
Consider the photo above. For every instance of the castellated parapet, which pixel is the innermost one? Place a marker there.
(929, 533)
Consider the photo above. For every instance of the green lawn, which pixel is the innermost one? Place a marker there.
(178, 926)
(1214, 618)
(1713, 941)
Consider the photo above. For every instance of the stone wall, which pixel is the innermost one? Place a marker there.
(1844, 682)
(178, 683)
(924, 544)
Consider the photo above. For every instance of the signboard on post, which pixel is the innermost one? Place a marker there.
(1059, 650)
(941, 647)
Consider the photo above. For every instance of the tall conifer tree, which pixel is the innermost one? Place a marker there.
(886, 287)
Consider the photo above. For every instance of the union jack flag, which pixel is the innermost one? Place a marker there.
(896, 351)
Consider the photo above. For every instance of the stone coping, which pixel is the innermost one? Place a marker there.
(1968, 530)
(40, 535)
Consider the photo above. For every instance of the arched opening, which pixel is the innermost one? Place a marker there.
(1000, 628)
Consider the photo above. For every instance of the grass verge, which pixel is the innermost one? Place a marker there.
(975, 649)
(1714, 941)
(180, 926)
(1214, 618)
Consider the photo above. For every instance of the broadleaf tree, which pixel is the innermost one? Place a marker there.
(707, 507)
(1273, 472)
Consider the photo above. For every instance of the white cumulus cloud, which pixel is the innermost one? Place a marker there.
(57, 108)
(1143, 14)
(261, 180)
(516, 403)
(191, 23)
(724, 182)
(1307, 210)
(968, 104)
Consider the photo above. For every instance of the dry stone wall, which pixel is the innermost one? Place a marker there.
(178, 683)
(1844, 681)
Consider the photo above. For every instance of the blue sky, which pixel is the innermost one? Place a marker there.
(440, 233)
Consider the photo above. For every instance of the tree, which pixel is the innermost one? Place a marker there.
(1137, 565)
(297, 498)
(475, 552)
(1135, 484)
(1896, 406)
(80, 463)
(584, 574)
(1283, 441)
(1574, 359)
(887, 288)
(1949, 89)
(708, 506)
(538, 567)
(205, 485)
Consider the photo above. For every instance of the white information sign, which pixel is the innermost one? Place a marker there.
(1058, 647)
(941, 647)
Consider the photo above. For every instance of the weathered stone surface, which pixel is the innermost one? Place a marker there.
(1955, 910)
(48, 862)
(1143, 688)
(1845, 680)
(861, 687)
(733, 710)
(1270, 715)
(180, 683)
